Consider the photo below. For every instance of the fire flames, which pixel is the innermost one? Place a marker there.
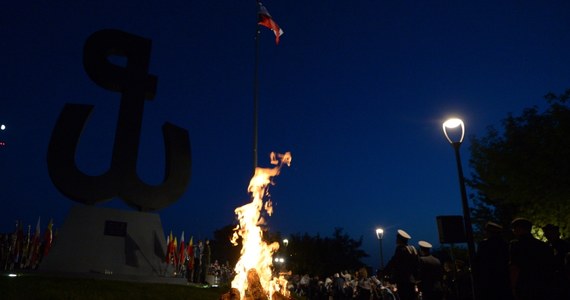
(254, 266)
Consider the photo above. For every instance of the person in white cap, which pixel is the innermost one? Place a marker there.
(402, 268)
(430, 274)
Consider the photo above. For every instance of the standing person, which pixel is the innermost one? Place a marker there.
(530, 264)
(198, 261)
(364, 291)
(430, 274)
(190, 262)
(560, 249)
(338, 287)
(403, 267)
(492, 261)
(206, 257)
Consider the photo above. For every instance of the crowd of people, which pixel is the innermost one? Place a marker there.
(524, 268)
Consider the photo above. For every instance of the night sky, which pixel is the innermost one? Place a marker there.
(356, 90)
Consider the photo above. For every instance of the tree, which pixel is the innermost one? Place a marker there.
(524, 170)
(304, 253)
(222, 248)
(324, 256)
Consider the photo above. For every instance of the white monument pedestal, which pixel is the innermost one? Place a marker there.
(108, 241)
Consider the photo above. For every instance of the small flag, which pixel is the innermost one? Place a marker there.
(169, 246)
(35, 249)
(190, 250)
(174, 256)
(265, 19)
(48, 237)
(182, 251)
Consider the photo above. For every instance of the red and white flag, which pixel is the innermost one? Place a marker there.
(174, 256)
(169, 243)
(265, 19)
(35, 249)
(48, 237)
(182, 251)
(190, 250)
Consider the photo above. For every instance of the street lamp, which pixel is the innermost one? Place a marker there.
(380, 235)
(2, 128)
(285, 243)
(450, 127)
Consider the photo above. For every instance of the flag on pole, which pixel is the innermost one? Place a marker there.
(265, 19)
(26, 248)
(191, 253)
(18, 242)
(169, 244)
(35, 249)
(48, 237)
(182, 251)
(167, 248)
(174, 256)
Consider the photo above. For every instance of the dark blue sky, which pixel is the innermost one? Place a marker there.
(356, 90)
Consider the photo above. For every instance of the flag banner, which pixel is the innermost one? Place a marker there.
(190, 250)
(35, 249)
(169, 248)
(265, 19)
(182, 251)
(48, 238)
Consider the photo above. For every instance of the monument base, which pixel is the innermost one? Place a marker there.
(108, 241)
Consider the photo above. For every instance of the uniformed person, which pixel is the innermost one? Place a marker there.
(403, 267)
(430, 274)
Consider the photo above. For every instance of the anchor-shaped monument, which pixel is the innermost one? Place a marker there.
(103, 240)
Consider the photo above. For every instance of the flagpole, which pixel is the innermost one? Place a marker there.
(256, 95)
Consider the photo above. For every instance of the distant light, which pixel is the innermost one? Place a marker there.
(379, 233)
(279, 260)
(12, 275)
(2, 127)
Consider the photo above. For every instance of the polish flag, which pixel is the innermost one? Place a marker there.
(266, 20)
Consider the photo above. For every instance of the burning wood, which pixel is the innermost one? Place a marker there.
(254, 290)
(254, 272)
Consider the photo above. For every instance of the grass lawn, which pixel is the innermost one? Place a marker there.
(42, 287)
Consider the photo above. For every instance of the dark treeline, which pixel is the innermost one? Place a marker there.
(303, 254)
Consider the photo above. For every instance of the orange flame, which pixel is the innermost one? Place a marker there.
(255, 253)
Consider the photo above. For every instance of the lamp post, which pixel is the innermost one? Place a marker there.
(285, 252)
(2, 128)
(380, 235)
(448, 126)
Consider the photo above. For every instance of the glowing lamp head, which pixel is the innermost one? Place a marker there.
(379, 233)
(2, 127)
(452, 126)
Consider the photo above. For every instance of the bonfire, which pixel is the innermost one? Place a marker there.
(254, 277)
